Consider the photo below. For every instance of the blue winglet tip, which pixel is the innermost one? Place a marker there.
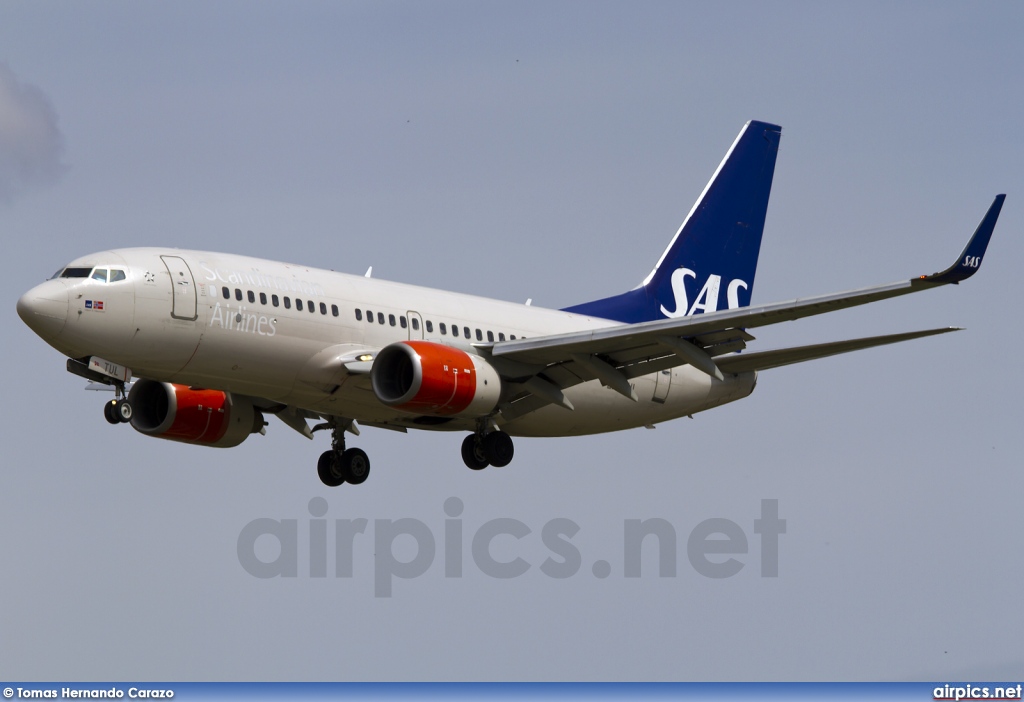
(970, 258)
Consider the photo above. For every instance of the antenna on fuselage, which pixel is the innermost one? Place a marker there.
(369, 272)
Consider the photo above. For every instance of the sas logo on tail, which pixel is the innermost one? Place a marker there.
(707, 299)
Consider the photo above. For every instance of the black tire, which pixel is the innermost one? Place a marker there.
(355, 466)
(329, 469)
(472, 457)
(110, 412)
(124, 411)
(498, 448)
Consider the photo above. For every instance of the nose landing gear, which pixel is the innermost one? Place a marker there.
(118, 410)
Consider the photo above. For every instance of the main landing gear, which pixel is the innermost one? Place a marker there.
(492, 449)
(341, 465)
(118, 410)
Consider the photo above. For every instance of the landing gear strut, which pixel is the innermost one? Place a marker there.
(341, 465)
(492, 449)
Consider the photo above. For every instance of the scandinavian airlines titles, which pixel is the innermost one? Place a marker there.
(240, 320)
(261, 280)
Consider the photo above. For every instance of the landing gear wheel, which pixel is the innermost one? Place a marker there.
(355, 466)
(110, 412)
(329, 469)
(498, 448)
(472, 455)
(124, 411)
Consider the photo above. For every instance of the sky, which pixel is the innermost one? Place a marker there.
(545, 151)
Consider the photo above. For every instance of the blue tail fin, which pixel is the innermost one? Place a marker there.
(711, 261)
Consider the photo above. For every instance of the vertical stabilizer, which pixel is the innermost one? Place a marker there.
(710, 263)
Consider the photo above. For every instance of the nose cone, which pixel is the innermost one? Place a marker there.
(44, 308)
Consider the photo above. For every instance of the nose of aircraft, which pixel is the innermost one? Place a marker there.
(44, 308)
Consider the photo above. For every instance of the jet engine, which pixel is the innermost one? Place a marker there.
(193, 416)
(424, 377)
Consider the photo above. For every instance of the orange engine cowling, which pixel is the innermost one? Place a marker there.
(433, 379)
(180, 413)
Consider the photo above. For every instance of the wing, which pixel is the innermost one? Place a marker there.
(616, 353)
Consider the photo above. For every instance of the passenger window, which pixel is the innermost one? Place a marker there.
(226, 293)
(402, 322)
(116, 275)
(490, 336)
(287, 302)
(263, 298)
(455, 330)
(465, 331)
(238, 294)
(512, 337)
(274, 300)
(252, 297)
(100, 274)
(380, 318)
(335, 311)
(311, 306)
(501, 336)
(391, 320)
(359, 315)
(298, 304)
(416, 323)
(444, 328)
(369, 316)
(430, 326)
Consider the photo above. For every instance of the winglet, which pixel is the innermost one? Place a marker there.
(970, 259)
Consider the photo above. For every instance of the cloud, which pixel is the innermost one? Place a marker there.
(31, 145)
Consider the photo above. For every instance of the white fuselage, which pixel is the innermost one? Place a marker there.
(210, 320)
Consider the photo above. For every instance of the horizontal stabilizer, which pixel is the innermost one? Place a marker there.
(775, 358)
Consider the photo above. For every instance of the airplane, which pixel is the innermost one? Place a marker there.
(200, 347)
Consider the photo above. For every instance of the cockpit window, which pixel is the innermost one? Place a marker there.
(100, 274)
(116, 275)
(76, 273)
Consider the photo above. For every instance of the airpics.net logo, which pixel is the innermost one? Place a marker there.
(407, 548)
